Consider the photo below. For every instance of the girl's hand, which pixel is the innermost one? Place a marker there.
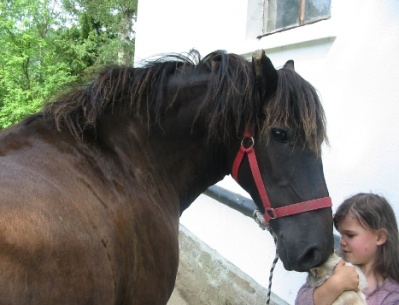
(346, 277)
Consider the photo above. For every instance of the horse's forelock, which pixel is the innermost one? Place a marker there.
(296, 105)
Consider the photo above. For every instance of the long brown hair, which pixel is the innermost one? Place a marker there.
(374, 212)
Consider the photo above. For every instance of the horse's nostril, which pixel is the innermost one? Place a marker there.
(311, 257)
(311, 254)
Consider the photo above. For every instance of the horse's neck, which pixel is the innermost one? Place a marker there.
(171, 157)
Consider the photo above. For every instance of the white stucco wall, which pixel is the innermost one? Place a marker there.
(351, 59)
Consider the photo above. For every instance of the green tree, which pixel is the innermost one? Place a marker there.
(24, 31)
(45, 45)
(117, 17)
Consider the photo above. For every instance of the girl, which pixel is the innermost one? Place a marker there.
(369, 239)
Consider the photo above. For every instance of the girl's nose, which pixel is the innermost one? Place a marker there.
(342, 242)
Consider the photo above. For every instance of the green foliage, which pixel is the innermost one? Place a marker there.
(45, 45)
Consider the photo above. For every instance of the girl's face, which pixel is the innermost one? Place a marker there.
(359, 245)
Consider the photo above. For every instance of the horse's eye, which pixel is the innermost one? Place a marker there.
(279, 134)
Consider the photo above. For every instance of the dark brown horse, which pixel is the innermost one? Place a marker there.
(93, 186)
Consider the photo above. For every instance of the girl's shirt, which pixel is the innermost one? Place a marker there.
(386, 294)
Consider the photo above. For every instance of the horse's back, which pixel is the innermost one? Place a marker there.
(66, 237)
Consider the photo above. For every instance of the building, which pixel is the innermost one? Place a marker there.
(350, 56)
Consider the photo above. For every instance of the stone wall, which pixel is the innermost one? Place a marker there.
(206, 278)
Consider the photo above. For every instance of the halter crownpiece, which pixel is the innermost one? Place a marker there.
(247, 149)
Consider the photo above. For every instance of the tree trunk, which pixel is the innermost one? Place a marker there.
(126, 51)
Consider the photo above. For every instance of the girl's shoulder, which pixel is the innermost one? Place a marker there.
(390, 288)
(390, 285)
(385, 294)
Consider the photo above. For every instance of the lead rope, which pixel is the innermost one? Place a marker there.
(269, 289)
(259, 219)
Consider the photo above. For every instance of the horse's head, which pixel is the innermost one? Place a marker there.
(290, 181)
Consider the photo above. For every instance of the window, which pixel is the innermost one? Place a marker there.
(279, 15)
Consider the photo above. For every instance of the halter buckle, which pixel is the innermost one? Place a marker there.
(271, 213)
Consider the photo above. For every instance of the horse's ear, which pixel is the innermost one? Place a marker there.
(265, 73)
(290, 65)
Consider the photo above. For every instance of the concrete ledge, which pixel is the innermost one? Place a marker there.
(206, 278)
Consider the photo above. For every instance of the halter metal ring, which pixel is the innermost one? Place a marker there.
(248, 140)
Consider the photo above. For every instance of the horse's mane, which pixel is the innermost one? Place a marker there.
(231, 100)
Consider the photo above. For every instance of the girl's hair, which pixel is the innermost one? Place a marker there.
(374, 212)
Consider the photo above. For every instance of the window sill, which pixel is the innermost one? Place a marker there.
(321, 30)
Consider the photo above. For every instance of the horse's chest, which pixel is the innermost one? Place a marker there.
(153, 259)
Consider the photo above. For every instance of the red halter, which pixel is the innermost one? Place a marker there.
(271, 213)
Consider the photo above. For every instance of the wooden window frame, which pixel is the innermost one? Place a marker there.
(301, 19)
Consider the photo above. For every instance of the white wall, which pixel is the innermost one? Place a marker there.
(180, 25)
(351, 59)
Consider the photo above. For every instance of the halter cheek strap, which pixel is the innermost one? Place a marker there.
(247, 149)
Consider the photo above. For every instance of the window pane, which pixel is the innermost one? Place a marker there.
(282, 14)
(317, 9)
(287, 13)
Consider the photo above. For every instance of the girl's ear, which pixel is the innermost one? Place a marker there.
(382, 235)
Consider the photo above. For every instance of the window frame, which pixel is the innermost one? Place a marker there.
(301, 18)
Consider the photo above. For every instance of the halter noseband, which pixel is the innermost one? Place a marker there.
(247, 148)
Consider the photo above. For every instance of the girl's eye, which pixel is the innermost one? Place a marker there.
(280, 135)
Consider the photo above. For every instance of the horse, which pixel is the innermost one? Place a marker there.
(93, 185)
